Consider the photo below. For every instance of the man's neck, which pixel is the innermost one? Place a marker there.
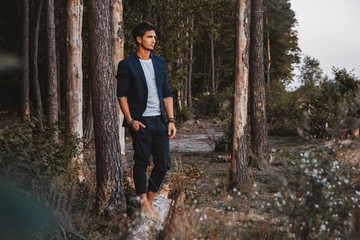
(143, 54)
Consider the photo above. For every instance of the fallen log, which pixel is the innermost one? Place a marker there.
(148, 229)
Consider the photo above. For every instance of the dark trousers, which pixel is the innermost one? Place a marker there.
(152, 140)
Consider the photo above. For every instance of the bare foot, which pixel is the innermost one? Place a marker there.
(150, 199)
(149, 213)
(155, 211)
(146, 209)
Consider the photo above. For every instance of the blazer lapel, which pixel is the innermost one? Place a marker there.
(139, 68)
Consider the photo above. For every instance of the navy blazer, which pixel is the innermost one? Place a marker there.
(131, 83)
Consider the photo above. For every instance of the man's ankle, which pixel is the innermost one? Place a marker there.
(151, 196)
(143, 200)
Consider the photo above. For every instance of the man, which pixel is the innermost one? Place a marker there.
(144, 95)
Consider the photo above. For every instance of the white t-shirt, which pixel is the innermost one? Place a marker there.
(153, 102)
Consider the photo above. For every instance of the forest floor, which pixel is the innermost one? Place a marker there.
(206, 209)
(203, 208)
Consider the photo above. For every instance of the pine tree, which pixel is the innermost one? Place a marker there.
(239, 174)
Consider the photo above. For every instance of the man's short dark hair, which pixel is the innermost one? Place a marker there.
(141, 29)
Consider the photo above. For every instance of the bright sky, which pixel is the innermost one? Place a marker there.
(329, 30)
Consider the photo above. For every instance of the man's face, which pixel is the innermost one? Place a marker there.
(147, 42)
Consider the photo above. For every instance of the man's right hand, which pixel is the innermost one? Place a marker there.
(136, 126)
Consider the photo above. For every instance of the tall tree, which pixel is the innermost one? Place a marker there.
(25, 113)
(268, 54)
(310, 71)
(189, 96)
(35, 70)
(239, 174)
(118, 54)
(212, 53)
(52, 74)
(282, 36)
(74, 93)
(109, 177)
(259, 142)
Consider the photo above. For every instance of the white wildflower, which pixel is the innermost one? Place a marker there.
(278, 194)
(323, 227)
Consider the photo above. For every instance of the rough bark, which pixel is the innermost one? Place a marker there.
(259, 142)
(268, 55)
(58, 78)
(36, 83)
(217, 73)
(52, 74)
(239, 174)
(25, 111)
(109, 177)
(74, 92)
(185, 90)
(89, 121)
(118, 55)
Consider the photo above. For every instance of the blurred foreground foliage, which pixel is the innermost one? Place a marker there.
(36, 179)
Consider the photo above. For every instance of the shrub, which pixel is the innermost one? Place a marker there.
(31, 157)
(321, 202)
(207, 106)
(183, 115)
(283, 112)
(225, 142)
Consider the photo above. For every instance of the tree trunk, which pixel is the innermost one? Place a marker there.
(217, 73)
(259, 143)
(37, 90)
(74, 93)
(89, 121)
(52, 74)
(205, 74)
(25, 111)
(239, 174)
(268, 55)
(212, 56)
(179, 100)
(110, 193)
(118, 55)
(189, 97)
(185, 91)
(58, 78)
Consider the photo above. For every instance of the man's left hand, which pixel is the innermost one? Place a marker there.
(171, 130)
